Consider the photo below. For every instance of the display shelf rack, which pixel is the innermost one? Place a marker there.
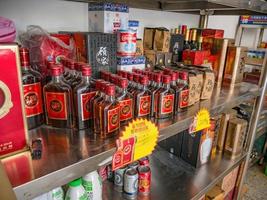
(69, 154)
(173, 179)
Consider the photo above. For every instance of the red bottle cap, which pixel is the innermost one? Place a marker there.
(158, 71)
(157, 77)
(134, 70)
(78, 66)
(110, 90)
(166, 79)
(71, 64)
(86, 71)
(167, 71)
(98, 83)
(123, 83)
(56, 70)
(173, 76)
(150, 76)
(119, 72)
(136, 78)
(143, 80)
(183, 75)
(124, 74)
(24, 57)
(129, 76)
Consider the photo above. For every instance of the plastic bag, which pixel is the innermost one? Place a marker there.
(43, 47)
(7, 30)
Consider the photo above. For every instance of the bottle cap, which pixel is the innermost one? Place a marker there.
(110, 90)
(119, 72)
(166, 79)
(98, 83)
(123, 83)
(86, 71)
(129, 76)
(134, 70)
(124, 74)
(56, 70)
(136, 78)
(24, 57)
(113, 79)
(143, 80)
(75, 183)
(157, 77)
(78, 66)
(173, 75)
(183, 75)
(71, 64)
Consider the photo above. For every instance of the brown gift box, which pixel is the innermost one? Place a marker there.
(154, 57)
(216, 193)
(161, 40)
(192, 79)
(208, 84)
(148, 38)
(139, 48)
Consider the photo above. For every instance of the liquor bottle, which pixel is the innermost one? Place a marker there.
(199, 43)
(58, 100)
(124, 74)
(130, 79)
(83, 93)
(143, 99)
(174, 85)
(109, 113)
(135, 84)
(184, 92)
(186, 40)
(32, 88)
(193, 44)
(164, 99)
(48, 64)
(157, 85)
(126, 102)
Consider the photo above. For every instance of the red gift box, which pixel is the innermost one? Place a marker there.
(195, 57)
(213, 33)
(13, 132)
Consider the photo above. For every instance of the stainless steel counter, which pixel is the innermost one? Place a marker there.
(173, 179)
(69, 154)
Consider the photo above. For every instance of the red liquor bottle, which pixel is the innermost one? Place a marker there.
(130, 79)
(126, 102)
(174, 85)
(110, 113)
(184, 92)
(164, 99)
(32, 89)
(58, 100)
(83, 93)
(143, 99)
(156, 85)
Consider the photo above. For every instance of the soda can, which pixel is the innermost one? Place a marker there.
(134, 165)
(102, 171)
(130, 183)
(144, 180)
(118, 179)
(144, 161)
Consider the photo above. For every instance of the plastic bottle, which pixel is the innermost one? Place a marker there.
(41, 197)
(93, 185)
(76, 191)
(56, 194)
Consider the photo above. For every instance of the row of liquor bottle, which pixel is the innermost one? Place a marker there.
(73, 99)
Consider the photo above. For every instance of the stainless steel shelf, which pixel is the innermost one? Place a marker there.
(173, 179)
(69, 154)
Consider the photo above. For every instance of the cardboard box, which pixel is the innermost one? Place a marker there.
(196, 148)
(161, 40)
(235, 136)
(192, 79)
(130, 63)
(208, 84)
(234, 66)
(231, 114)
(176, 47)
(139, 48)
(154, 57)
(195, 57)
(167, 59)
(216, 193)
(107, 17)
(213, 33)
(148, 38)
(13, 133)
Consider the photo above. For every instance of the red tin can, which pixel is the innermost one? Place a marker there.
(144, 161)
(144, 180)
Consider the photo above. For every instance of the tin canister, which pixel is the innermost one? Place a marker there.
(144, 180)
(134, 165)
(118, 179)
(126, 42)
(144, 161)
(130, 183)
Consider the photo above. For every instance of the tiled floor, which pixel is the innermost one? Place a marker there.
(257, 184)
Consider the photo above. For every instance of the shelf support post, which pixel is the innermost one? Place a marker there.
(204, 18)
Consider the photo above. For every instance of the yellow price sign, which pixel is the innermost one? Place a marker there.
(200, 121)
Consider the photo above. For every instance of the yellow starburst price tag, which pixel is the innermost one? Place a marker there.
(200, 121)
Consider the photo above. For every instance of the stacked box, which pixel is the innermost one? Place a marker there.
(130, 63)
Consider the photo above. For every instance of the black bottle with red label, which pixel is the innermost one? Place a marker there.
(184, 92)
(155, 86)
(58, 100)
(164, 99)
(83, 93)
(126, 102)
(174, 85)
(143, 99)
(32, 88)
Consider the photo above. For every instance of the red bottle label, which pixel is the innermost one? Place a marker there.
(126, 107)
(144, 106)
(33, 99)
(113, 119)
(183, 98)
(56, 105)
(85, 105)
(167, 104)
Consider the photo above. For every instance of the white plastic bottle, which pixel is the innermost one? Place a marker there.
(41, 197)
(93, 185)
(76, 191)
(56, 194)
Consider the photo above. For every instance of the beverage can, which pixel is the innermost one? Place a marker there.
(144, 180)
(103, 173)
(126, 42)
(92, 185)
(118, 179)
(130, 183)
(144, 161)
(134, 165)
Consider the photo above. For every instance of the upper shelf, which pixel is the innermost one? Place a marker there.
(220, 7)
(69, 154)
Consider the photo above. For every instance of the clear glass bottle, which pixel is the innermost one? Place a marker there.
(58, 101)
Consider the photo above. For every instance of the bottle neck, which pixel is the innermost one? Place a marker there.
(166, 85)
(25, 68)
(143, 87)
(110, 98)
(56, 79)
(173, 83)
(86, 79)
(182, 81)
